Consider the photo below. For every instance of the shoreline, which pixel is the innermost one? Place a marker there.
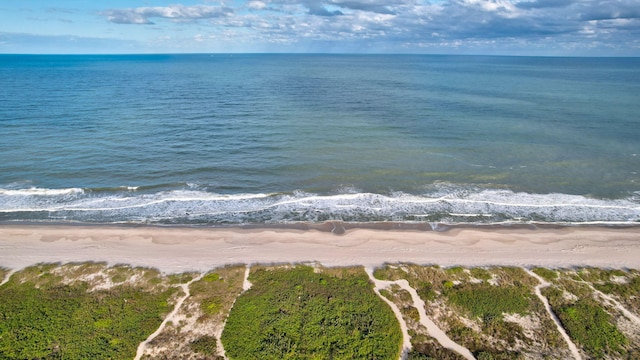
(331, 225)
(175, 249)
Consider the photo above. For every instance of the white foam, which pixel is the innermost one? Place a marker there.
(199, 206)
(40, 192)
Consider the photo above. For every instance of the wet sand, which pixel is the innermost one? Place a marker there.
(179, 249)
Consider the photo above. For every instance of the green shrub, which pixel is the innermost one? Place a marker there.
(591, 327)
(211, 305)
(414, 355)
(425, 290)
(486, 302)
(480, 273)
(211, 277)
(118, 278)
(55, 321)
(299, 314)
(624, 290)
(485, 356)
(206, 345)
(547, 274)
(455, 270)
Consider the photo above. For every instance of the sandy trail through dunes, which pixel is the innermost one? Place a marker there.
(171, 317)
(433, 330)
(542, 284)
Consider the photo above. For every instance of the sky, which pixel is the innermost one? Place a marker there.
(498, 27)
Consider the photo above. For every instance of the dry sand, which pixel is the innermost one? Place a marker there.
(174, 250)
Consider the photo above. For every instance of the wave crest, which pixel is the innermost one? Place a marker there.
(33, 191)
(194, 206)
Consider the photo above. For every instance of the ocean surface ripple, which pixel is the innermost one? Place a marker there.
(263, 138)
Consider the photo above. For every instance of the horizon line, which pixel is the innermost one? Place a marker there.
(316, 53)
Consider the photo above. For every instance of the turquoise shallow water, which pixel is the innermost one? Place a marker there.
(230, 139)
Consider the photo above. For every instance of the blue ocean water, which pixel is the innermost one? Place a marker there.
(262, 139)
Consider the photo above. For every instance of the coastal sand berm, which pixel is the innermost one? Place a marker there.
(175, 249)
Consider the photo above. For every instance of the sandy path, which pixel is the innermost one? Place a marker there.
(171, 317)
(615, 303)
(7, 277)
(543, 283)
(381, 285)
(433, 329)
(246, 285)
(631, 316)
(200, 249)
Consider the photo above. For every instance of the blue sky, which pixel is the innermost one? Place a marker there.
(510, 27)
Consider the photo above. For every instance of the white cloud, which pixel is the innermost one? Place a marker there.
(176, 12)
(403, 24)
(491, 5)
(256, 5)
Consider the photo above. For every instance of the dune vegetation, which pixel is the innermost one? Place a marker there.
(91, 310)
(305, 313)
(591, 303)
(493, 312)
(80, 311)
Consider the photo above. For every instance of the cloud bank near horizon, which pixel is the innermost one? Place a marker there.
(566, 27)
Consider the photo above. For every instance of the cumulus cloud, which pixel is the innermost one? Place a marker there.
(316, 8)
(541, 4)
(376, 6)
(256, 5)
(405, 24)
(612, 10)
(176, 12)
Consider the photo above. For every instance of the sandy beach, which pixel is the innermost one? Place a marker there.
(175, 249)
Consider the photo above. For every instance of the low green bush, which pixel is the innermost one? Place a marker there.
(480, 273)
(300, 314)
(486, 301)
(547, 274)
(591, 327)
(56, 321)
(211, 277)
(206, 345)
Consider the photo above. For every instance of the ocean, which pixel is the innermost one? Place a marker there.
(229, 139)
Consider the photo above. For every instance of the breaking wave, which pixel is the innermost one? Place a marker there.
(195, 205)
